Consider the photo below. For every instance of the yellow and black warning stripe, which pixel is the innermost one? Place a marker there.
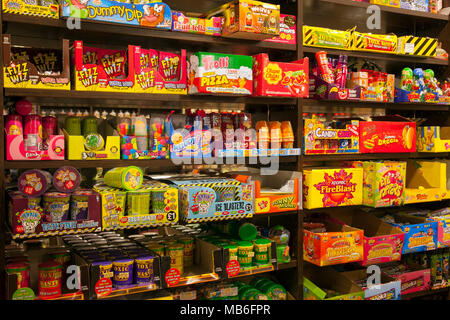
(233, 217)
(53, 233)
(360, 41)
(417, 46)
(137, 226)
(212, 184)
(29, 13)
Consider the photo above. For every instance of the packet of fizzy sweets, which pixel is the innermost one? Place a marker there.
(169, 66)
(113, 62)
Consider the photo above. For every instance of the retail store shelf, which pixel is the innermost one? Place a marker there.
(401, 59)
(424, 293)
(374, 156)
(418, 14)
(99, 27)
(403, 106)
(128, 292)
(106, 99)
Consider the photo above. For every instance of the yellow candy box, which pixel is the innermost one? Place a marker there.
(327, 38)
(384, 43)
(331, 187)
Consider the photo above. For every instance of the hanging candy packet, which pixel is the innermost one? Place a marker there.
(113, 62)
(169, 66)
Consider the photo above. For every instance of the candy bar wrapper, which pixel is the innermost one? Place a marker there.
(45, 60)
(113, 62)
(169, 66)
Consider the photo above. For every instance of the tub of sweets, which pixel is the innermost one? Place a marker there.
(123, 272)
(22, 270)
(34, 202)
(62, 256)
(56, 206)
(175, 251)
(66, 179)
(188, 252)
(128, 178)
(79, 205)
(105, 268)
(156, 248)
(144, 269)
(50, 274)
(34, 183)
(261, 248)
(245, 253)
(232, 251)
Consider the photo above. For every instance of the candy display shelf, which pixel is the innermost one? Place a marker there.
(374, 156)
(398, 59)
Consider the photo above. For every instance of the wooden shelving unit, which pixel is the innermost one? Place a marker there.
(103, 33)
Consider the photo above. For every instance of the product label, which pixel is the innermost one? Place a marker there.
(336, 189)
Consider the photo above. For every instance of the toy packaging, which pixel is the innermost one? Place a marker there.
(31, 8)
(278, 193)
(338, 137)
(153, 204)
(288, 31)
(425, 181)
(154, 15)
(420, 234)
(98, 69)
(384, 183)
(328, 284)
(412, 276)
(49, 215)
(333, 244)
(159, 72)
(417, 46)
(327, 38)
(216, 73)
(387, 134)
(434, 139)
(374, 42)
(211, 26)
(420, 85)
(328, 187)
(249, 19)
(388, 289)
(214, 199)
(34, 68)
(376, 86)
(382, 242)
(280, 78)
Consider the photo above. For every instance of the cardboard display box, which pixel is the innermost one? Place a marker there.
(318, 140)
(27, 222)
(320, 89)
(185, 23)
(425, 181)
(33, 68)
(288, 31)
(327, 38)
(433, 139)
(387, 134)
(413, 277)
(382, 242)
(317, 280)
(388, 289)
(29, 9)
(328, 187)
(341, 244)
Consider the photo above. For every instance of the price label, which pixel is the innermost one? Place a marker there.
(172, 277)
(103, 287)
(233, 268)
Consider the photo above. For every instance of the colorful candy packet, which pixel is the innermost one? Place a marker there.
(169, 66)
(113, 62)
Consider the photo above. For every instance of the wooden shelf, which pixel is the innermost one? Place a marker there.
(101, 27)
(400, 59)
(413, 13)
(374, 156)
(106, 99)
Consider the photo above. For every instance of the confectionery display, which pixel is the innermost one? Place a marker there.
(205, 151)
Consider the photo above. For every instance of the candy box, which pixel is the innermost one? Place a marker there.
(425, 181)
(328, 284)
(420, 234)
(183, 23)
(327, 38)
(80, 148)
(154, 15)
(331, 187)
(415, 96)
(125, 209)
(388, 289)
(31, 8)
(29, 221)
(318, 140)
(417, 46)
(214, 199)
(33, 68)
(288, 30)
(443, 236)
(434, 139)
(51, 149)
(277, 193)
(384, 183)
(148, 79)
(320, 89)
(388, 134)
(280, 78)
(249, 19)
(382, 242)
(340, 244)
(374, 42)
(98, 69)
(215, 73)
(390, 3)
(413, 277)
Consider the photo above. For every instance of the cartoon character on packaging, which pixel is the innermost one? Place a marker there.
(272, 23)
(153, 16)
(249, 19)
(232, 16)
(430, 81)
(310, 249)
